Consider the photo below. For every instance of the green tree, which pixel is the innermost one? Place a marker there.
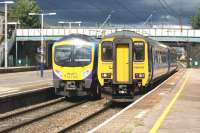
(20, 11)
(195, 20)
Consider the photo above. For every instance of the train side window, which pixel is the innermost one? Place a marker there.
(107, 51)
(158, 57)
(138, 50)
(165, 57)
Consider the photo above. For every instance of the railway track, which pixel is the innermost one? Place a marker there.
(24, 98)
(28, 109)
(53, 121)
(96, 118)
(83, 120)
(92, 120)
(60, 116)
(18, 119)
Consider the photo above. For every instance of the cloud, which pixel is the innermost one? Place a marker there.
(168, 19)
(183, 6)
(126, 11)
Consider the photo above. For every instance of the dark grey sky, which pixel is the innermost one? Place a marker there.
(125, 11)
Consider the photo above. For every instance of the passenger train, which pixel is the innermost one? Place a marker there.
(74, 60)
(128, 60)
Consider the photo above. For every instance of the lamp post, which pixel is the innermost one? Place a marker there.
(42, 27)
(6, 32)
(41, 33)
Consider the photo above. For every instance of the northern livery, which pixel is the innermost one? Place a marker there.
(128, 61)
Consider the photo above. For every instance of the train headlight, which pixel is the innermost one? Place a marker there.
(106, 75)
(86, 73)
(58, 73)
(139, 75)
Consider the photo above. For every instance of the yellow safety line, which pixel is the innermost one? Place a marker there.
(161, 119)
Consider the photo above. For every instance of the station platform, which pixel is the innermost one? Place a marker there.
(12, 83)
(172, 107)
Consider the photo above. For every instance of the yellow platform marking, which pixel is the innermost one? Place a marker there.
(169, 107)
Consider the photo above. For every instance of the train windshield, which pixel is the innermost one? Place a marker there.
(107, 51)
(138, 51)
(69, 55)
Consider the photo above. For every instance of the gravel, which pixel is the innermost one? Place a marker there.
(12, 121)
(58, 121)
(95, 121)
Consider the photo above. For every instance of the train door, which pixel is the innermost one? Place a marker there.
(122, 64)
(122, 55)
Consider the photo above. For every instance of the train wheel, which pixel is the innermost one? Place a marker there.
(142, 90)
(132, 88)
(150, 87)
(96, 92)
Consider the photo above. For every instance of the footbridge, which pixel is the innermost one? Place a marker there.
(159, 34)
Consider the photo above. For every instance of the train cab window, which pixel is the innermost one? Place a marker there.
(70, 55)
(63, 53)
(138, 50)
(82, 54)
(107, 51)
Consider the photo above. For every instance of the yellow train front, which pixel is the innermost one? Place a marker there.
(128, 61)
(75, 66)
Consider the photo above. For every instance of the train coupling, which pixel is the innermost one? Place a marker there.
(122, 89)
(70, 85)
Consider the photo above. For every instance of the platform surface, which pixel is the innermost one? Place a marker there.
(23, 81)
(150, 113)
(184, 117)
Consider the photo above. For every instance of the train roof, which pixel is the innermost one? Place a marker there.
(79, 36)
(156, 43)
(131, 34)
(124, 33)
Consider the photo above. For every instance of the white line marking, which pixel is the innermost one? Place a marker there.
(6, 88)
(8, 91)
(29, 84)
(131, 105)
(172, 83)
(141, 114)
(161, 94)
